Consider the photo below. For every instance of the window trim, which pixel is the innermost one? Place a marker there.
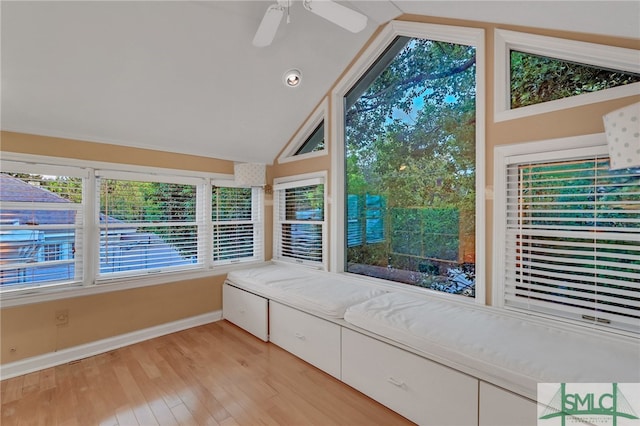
(80, 263)
(610, 57)
(315, 178)
(199, 184)
(317, 117)
(585, 145)
(257, 219)
(88, 285)
(453, 34)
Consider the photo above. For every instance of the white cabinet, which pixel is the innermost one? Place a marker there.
(421, 390)
(308, 337)
(499, 407)
(246, 310)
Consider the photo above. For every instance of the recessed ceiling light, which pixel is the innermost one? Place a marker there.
(292, 78)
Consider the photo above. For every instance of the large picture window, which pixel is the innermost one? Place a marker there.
(410, 165)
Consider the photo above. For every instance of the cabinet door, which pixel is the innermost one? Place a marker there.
(246, 310)
(313, 339)
(502, 408)
(417, 388)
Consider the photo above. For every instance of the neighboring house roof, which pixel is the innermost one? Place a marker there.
(128, 248)
(13, 189)
(16, 190)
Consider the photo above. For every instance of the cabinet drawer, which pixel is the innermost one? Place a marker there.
(308, 337)
(246, 310)
(421, 390)
(502, 408)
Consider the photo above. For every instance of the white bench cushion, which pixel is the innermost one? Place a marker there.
(515, 350)
(323, 293)
(266, 275)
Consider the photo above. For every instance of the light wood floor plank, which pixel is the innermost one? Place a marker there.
(215, 374)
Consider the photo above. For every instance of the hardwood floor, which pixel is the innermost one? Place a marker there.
(215, 374)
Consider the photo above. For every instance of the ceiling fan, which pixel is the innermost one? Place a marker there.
(340, 15)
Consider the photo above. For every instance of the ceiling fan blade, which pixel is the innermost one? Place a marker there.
(340, 15)
(268, 26)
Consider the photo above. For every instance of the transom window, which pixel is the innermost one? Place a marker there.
(309, 141)
(537, 74)
(536, 79)
(314, 143)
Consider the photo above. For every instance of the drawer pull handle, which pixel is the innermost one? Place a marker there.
(396, 382)
(300, 336)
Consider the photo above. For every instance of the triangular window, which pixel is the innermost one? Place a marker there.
(536, 79)
(537, 74)
(309, 141)
(314, 143)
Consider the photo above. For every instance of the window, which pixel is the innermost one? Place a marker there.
(236, 215)
(299, 213)
(537, 74)
(146, 225)
(83, 224)
(536, 79)
(571, 237)
(410, 159)
(309, 141)
(42, 224)
(314, 143)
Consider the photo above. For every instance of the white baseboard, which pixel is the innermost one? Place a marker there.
(63, 356)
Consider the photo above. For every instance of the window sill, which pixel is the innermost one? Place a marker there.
(39, 295)
(408, 288)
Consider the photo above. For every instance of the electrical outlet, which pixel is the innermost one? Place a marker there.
(62, 317)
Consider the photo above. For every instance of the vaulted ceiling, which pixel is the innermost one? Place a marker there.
(183, 76)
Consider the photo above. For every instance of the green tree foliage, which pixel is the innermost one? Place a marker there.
(536, 79)
(152, 203)
(410, 137)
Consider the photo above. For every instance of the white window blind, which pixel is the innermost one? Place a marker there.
(300, 221)
(41, 218)
(146, 226)
(573, 240)
(236, 216)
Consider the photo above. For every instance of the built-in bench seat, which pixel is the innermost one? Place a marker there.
(432, 360)
(294, 307)
(515, 352)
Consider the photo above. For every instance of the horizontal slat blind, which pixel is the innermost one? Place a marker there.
(41, 229)
(236, 215)
(300, 222)
(146, 226)
(573, 241)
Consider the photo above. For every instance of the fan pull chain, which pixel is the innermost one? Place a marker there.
(288, 15)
